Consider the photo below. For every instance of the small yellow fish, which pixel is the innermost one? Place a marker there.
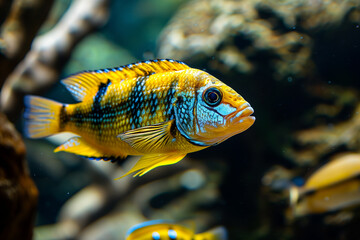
(163, 230)
(334, 186)
(160, 109)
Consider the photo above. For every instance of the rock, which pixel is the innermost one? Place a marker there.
(245, 35)
(18, 193)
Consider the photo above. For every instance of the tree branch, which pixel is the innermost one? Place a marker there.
(49, 53)
(18, 31)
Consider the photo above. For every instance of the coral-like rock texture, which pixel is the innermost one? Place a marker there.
(237, 33)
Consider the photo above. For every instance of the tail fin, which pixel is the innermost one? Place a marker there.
(218, 233)
(42, 117)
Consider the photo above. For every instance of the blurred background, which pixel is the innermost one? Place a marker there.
(295, 174)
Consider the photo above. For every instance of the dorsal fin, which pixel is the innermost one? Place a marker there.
(85, 84)
(147, 224)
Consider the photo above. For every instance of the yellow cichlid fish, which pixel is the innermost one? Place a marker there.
(163, 230)
(160, 109)
(332, 187)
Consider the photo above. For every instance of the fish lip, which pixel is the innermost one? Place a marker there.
(244, 111)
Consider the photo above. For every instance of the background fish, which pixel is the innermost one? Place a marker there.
(161, 109)
(162, 230)
(332, 187)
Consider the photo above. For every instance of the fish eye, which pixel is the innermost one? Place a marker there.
(212, 97)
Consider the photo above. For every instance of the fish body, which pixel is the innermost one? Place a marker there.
(160, 109)
(332, 187)
(164, 230)
(341, 168)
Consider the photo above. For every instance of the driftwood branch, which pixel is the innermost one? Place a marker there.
(49, 53)
(5, 6)
(23, 20)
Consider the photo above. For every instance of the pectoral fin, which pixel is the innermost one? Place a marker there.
(151, 161)
(150, 138)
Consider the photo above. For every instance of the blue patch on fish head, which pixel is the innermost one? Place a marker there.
(184, 113)
(220, 113)
(213, 113)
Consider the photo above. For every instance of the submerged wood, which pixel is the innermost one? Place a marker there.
(18, 193)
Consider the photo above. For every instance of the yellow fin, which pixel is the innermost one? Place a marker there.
(294, 195)
(149, 138)
(42, 117)
(218, 233)
(148, 162)
(85, 84)
(78, 146)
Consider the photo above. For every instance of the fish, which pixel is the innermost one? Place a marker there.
(333, 187)
(158, 109)
(167, 230)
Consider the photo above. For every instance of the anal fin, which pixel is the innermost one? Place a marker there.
(148, 162)
(218, 233)
(79, 147)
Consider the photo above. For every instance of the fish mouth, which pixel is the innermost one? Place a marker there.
(244, 112)
(235, 123)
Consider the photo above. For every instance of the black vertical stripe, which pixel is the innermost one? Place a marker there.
(97, 110)
(64, 118)
(78, 117)
(169, 98)
(152, 100)
(136, 100)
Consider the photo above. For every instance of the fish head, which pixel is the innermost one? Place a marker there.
(219, 112)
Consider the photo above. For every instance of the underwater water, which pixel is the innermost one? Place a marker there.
(294, 174)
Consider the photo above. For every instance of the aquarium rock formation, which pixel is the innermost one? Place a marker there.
(18, 193)
(243, 35)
